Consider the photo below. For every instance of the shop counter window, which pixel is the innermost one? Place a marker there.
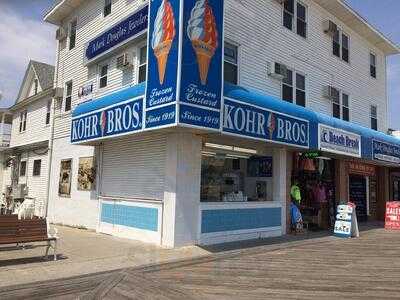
(232, 176)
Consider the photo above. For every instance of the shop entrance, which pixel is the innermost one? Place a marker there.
(396, 188)
(314, 176)
(358, 195)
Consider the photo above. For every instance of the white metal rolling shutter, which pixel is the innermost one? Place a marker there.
(134, 167)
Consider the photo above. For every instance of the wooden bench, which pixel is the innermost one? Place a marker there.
(14, 231)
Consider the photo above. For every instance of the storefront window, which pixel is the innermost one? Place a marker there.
(235, 174)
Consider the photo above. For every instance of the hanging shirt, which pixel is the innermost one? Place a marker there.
(320, 194)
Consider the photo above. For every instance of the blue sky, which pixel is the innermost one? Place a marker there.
(24, 36)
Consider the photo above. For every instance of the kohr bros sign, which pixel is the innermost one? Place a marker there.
(255, 122)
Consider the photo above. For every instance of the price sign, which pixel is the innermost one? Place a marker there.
(346, 221)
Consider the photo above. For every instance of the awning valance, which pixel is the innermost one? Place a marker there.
(278, 122)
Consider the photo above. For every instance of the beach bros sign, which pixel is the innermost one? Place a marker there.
(339, 141)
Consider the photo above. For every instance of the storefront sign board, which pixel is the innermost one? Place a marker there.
(201, 78)
(361, 169)
(119, 119)
(132, 26)
(392, 218)
(339, 141)
(385, 152)
(243, 119)
(185, 57)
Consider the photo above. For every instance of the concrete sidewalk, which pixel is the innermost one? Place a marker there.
(83, 252)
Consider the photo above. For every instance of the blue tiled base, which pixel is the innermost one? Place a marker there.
(220, 220)
(131, 216)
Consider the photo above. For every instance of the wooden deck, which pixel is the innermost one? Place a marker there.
(320, 268)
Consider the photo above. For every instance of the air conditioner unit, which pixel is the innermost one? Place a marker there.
(330, 28)
(331, 93)
(58, 93)
(277, 71)
(123, 61)
(61, 34)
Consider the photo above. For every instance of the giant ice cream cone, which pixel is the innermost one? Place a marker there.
(204, 53)
(163, 36)
(202, 31)
(161, 52)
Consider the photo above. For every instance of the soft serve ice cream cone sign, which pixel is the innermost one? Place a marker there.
(163, 59)
(202, 32)
(202, 59)
(185, 63)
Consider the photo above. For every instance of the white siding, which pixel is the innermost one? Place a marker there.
(36, 128)
(81, 207)
(264, 39)
(134, 167)
(36, 184)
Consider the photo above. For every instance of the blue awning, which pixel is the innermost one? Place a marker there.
(109, 100)
(374, 145)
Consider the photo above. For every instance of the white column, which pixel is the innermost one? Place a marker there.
(182, 190)
(280, 182)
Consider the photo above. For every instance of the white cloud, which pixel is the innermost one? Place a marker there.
(21, 40)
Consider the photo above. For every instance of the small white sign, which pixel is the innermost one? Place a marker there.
(339, 141)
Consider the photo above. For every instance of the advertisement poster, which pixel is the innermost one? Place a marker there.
(392, 218)
(64, 185)
(202, 58)
(86, 174)
(163, 50)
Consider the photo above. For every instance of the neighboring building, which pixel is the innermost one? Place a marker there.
(174, 186)
(30, 133)
(5, 136)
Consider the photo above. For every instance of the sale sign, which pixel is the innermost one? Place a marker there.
(392, 218)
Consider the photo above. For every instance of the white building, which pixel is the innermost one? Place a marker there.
(156, 185)
(30, 133)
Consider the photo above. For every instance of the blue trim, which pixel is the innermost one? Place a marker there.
(108, 100)
(131, 216)
(221, 220)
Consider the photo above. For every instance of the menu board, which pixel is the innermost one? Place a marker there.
(358, 195)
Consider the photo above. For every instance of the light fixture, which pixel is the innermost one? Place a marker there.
(230, 148)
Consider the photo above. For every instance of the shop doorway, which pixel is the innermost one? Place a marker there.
(314, 177)
(358, 194)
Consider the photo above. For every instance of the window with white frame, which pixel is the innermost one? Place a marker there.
(374, 117)
(37, 165)
(372, 65)
(68, 96)
(142, 69)
(295, 17)
(294, 88)
(22, 120)
(72, 34)
(48, 112)
(340, 105)
(341, 45)
(345, 107)
(231, 68)
(107, 7)
(103, 76)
